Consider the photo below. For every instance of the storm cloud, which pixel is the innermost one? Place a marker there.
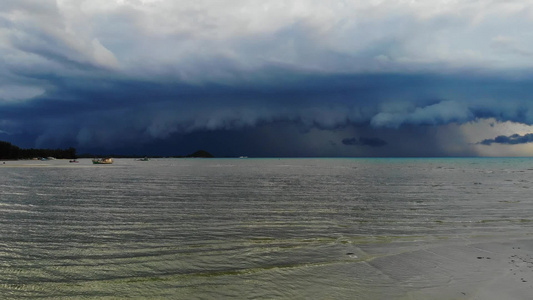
(509, 140)
(122, 74)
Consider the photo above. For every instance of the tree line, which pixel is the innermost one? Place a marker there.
(9, 151)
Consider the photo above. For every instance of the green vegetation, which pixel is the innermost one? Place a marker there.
(9, 151)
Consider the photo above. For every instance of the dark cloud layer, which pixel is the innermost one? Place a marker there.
(116, 113)
(363, 141)
(509, 140)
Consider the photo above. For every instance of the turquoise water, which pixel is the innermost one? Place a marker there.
(252, 228)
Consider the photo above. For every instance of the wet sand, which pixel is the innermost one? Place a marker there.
(476, 268)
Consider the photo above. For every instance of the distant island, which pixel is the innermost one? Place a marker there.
(12, 152)
(201, 153)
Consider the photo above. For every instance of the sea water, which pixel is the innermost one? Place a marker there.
(342, 228)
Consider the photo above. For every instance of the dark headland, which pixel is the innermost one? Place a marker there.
(12, 152)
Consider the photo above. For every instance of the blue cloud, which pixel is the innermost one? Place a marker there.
(123, 74)
(509, 140)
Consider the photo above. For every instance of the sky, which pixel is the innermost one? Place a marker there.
(268, 78)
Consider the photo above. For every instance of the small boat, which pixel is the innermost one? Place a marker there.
(73, 161)
(103, 161)
(143, 159)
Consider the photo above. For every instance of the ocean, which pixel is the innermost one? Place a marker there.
(324, 228)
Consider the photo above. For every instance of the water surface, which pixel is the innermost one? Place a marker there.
(259, 228)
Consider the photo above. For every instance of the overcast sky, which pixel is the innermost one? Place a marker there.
(269, 78)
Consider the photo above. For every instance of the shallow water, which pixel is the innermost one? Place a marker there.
(259, 228)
